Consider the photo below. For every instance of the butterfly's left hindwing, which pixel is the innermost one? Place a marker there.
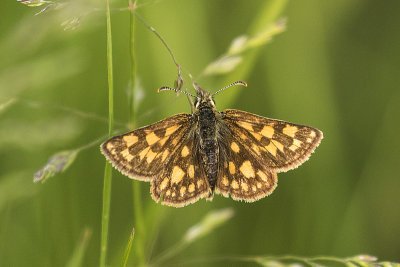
(241, 175)
(143, 153)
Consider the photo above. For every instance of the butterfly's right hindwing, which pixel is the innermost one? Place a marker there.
(183, 180)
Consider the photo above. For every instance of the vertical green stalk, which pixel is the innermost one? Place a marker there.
(137, 205)
(107, 172)
(132, 106)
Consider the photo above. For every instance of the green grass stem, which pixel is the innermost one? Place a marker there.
(128, 248)
(137, 202)
(108, 169)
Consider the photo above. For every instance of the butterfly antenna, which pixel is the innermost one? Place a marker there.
(232, 84)
(157, 34)
(164, 88)
(179, 81)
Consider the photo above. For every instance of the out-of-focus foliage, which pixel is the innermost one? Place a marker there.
(57, 163)
(335, 67)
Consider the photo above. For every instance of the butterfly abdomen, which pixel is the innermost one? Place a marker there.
(209, 150)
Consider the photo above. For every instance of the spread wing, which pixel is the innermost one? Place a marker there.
(277, 145)
(143, 153)
(253, 149)
(241, 175)
(183, 181)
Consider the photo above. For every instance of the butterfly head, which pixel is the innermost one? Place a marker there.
(203, 98)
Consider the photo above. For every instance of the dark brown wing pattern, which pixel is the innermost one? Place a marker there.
(143, 153)
(253, 149)
(183, 181)
(278, 145)
(241, 175)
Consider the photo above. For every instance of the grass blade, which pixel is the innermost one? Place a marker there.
(128, 248)
(107, 172)
(79, 252)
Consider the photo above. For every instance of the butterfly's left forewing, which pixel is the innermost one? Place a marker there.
(253, 149)
(278, 145)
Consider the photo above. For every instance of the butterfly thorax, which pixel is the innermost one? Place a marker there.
(206, 117)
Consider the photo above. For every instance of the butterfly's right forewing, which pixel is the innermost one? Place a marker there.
(143, 153)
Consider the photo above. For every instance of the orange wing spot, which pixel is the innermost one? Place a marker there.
(110, 147)
(168, 193)
(225, 181)
(191, 171)
(245, 125)
(235, 184)
(278, 145)
(130, 140)
(174, 141)
(125, 153)
(235, 148)
(267, 131)
(183, 190)
(232, 168)
(164, 184)
(256, 135)
(290, 130)
(143, 153)
(150, 156)
(152, 138)
(177, 175)
(247, 170)
(244, 186)
(296, 144)
(271, 149)
(162, 141)
(185, 151)
(256, 149)
(199, 183)
(171, 130)
(263, 177)
(164, 155)
(191, 188)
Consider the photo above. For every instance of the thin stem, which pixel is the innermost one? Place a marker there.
(132, 107)
(107, 172)
(158, 36)
(137, 198)
(169, 253)
(128, 248)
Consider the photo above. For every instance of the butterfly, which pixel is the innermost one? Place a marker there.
(234, 153)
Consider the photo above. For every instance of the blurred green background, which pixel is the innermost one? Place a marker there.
(336, 68)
